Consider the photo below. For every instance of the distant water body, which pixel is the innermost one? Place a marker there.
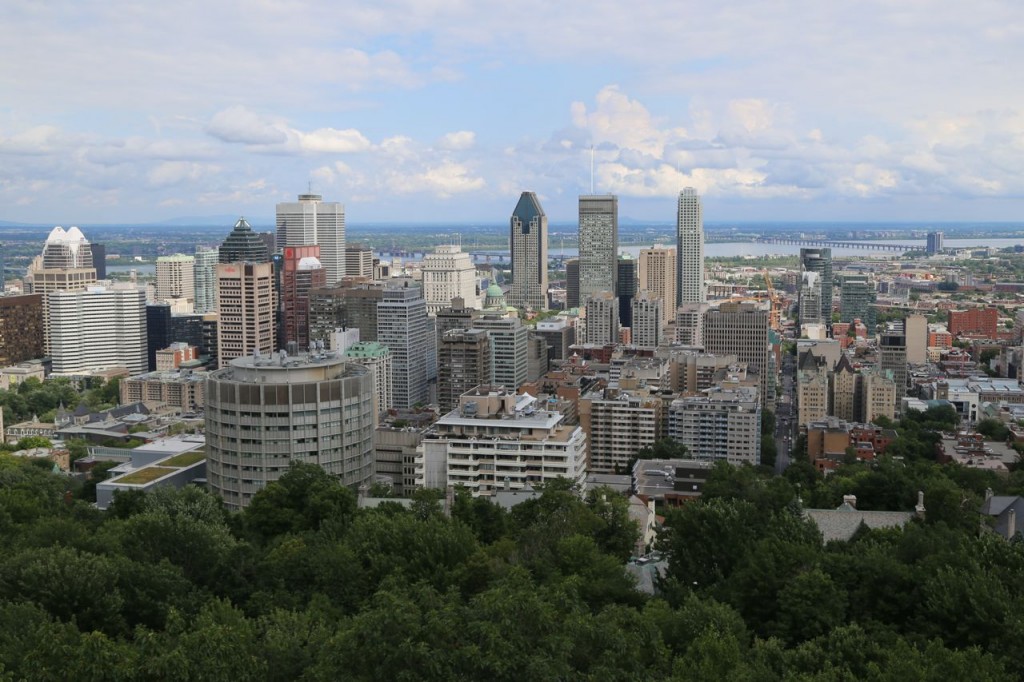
(713, 250)
(755, 249)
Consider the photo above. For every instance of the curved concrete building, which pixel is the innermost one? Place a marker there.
(263, 413)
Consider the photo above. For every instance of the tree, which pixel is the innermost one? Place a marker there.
(32, 442)
(488, 521)
(769, 451)
(666, 448)
(71, 585)
(810, 605)
(706, 541)
(302, 499)
(78, 448)
(993, 429)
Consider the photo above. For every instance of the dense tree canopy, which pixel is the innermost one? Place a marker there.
(303, 585)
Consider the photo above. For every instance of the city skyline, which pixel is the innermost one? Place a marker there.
(401, 111)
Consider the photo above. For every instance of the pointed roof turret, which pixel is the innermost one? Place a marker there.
(844, 365)
(243, 245)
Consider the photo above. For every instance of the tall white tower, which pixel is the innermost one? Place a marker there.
(312, 221)
(690, 248)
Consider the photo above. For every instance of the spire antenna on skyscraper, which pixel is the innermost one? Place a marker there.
(591, 168)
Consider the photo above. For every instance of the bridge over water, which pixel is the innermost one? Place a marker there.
(873, 246)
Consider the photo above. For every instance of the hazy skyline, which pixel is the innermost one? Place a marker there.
(445, 110)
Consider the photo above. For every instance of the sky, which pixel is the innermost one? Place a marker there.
(445, 110)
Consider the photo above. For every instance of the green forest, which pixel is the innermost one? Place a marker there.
(304, 585)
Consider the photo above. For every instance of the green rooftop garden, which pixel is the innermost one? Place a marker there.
(184, 459)
(146, 475)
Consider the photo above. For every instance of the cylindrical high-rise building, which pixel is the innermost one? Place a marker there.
(265, 412)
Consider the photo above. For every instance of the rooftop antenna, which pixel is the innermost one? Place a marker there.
(591, 169)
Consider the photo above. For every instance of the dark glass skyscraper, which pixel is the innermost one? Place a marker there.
(99, 259)
(625, 289)
(243, 245)
(572, 283)
(528, 239)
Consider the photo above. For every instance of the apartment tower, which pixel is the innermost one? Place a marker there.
(657, 274)
(175, 278)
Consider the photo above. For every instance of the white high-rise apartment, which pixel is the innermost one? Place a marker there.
(175, 277)
(648, 319)
(618, 424)
(528, 240)
(205, 279)
(602, 318)
(497, 440)
(99, 328)
(690, 248)
(247, 306)
(657, 274)
(690, 324)
(449, 273)
(722, 424)
(312, 221)
(599, 244)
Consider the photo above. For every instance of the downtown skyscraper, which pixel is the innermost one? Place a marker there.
(599, 244)
(528, 240)
(313, 221)
(690, 248)
(403, 327)
(820, 261)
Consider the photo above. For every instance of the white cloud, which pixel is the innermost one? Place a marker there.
(331, 140)
(457, 141)
(239, 125)
(172, 173)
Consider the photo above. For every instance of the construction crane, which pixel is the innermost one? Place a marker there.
(775, 316)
